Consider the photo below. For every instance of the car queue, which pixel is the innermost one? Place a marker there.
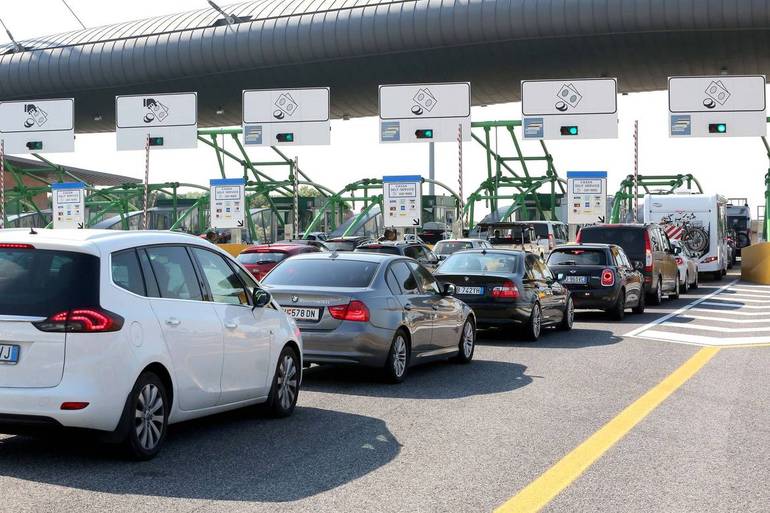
(125, 333)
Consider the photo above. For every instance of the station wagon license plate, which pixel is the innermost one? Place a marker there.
(9, 354)
(575, 280)
(303, 314)
(470, 291)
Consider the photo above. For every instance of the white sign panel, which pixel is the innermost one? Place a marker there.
(717, 106)
(291, 117)
(586, 197)
(170, 120)
(402, 201)
(228, 203)
(69, 209)
(425, 112)
(38, 126)
(570, 109)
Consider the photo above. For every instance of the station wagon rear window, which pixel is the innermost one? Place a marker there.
(387, 250)
(447, 248)
(481, 263)
(578, 257)
(322, 273)
(261, 258)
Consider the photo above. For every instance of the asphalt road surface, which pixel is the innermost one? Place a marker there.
(585, 410)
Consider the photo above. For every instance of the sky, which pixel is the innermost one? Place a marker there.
(733, 167)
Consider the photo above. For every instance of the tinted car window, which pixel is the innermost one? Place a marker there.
(405, 278)
(127, 273)
(322, 273)
(631, 239)
(577, 257)
(387, 250)
(261, 258)
(481, 263)
(541, 231)
(412, 252)
(390, 278)
(425, 279)
(447, 248)
(341, 246)
(40, 283)
(174, 273)
(224, 285)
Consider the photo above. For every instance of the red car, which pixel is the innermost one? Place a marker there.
(259, 260)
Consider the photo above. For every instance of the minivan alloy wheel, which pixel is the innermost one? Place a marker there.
(149, 418)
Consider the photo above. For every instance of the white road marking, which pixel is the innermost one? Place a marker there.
(764, 295)
(720, 329)
(682, 338)
(738, 305)
(720, 310)
(723, 319)
(736, 299)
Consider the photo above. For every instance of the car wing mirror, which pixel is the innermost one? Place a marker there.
(449, 289)
(260, 298)
(638, 266)
(559, 276)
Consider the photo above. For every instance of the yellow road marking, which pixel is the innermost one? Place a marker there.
(542, 490)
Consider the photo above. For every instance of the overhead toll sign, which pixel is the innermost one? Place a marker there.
(717, 106)
(294, 117)
(69, 205)
(586, 197)
(402, 201)
(38, 126)
(170, 121)
(228, 203)
(425, 112)
(570, 109)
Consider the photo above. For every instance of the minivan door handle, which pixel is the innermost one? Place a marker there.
(173, 322)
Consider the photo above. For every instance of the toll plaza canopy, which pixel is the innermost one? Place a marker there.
(355, 45)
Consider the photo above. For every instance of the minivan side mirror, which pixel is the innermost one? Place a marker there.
(260, 298)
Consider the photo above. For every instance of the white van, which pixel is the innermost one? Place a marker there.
(699, 221)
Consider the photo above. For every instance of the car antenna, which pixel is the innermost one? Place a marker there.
(334, 254)
(32, 231)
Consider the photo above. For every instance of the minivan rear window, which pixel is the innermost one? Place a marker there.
(322, 273)
(40, 283)
(629, 238)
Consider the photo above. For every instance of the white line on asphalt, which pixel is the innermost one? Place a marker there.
(720, 310)
(680, 311)
(737, 299)
(720, 329)
(739, 305)
(748, 293)
(682, 338)
(723, 319)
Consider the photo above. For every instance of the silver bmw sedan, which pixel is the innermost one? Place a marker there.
(372, 309)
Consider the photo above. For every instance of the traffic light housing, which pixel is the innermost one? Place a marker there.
(717, 128)
(424, 133)
(569, 131)
(35, 145)
(287, 137)
(156, 141)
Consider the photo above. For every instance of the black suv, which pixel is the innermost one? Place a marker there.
(419, 252)
(648, 248)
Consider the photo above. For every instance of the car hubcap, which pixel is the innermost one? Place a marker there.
(399, 356)
(468, 340)
(150, 417)
(287, 382)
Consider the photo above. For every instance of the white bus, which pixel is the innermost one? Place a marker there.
(699, 221)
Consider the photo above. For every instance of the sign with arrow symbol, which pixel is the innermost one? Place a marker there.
(69, 207)
(228, 203)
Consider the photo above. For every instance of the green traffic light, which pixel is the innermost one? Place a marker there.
(424, 134)
(718, 128)
(721, 128)
(573, 130)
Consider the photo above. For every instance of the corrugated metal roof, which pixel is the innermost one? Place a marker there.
(354, 45)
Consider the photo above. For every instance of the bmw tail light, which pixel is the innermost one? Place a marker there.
(608, 278)
(509, 290)
(355, 311)
(82, 320)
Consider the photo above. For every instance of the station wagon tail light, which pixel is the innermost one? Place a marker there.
(647, 253)
(10, 245)
(355, 311)
(81, 320)
(509, 290)
(608, 278)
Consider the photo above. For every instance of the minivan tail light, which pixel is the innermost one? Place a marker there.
(81, 320)
(355, 311)
(10, 245)
(74, 406)
(509, 290)
(608, 278)
(647, 253)
(551, 243)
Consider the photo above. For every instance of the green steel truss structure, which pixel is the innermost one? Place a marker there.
(649, 184)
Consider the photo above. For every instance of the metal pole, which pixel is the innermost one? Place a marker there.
(2, 184)
(431, 167)
(636, 170)
(461, 206)
(145, 220)
(295, 183)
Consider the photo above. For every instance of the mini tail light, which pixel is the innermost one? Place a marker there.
(509, 290)
(355, 311)
(74, 406)
(608, 278)
(82, 320)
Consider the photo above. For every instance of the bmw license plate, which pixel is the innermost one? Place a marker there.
(470, 291)
(303, 314)
(575, 280)
(9, 354)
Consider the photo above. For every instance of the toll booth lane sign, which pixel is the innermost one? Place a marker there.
(287, 117)
(228, 202)
(402, 201)
(171, 121)
(717, 106)
(425, 112)
(570, 109)
(38, 126)
(69, 205)
(586, 197)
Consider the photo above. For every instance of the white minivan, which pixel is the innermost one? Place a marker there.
(124, 333)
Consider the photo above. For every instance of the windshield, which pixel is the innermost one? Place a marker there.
(331, 272)
(578, 257)
(481, 263)
(447, 248)
(261, 258)
(40, 283)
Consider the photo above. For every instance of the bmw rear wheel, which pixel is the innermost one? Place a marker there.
(398, 358)
(534, 326)
(569, 316)
(467, 342)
